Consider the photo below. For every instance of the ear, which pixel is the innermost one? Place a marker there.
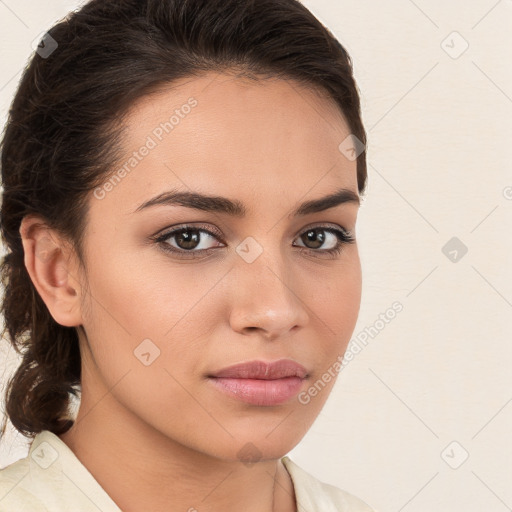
(53, 269)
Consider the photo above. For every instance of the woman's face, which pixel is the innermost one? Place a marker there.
(249, 280)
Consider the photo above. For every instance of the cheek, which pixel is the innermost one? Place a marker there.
(150, 311)
(336, 306)
(343, 307)
(130, 312)
(138, 297)
(336, 298)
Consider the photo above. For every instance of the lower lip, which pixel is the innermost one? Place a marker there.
(258, 391)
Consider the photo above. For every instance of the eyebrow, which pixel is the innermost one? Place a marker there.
(236, 208)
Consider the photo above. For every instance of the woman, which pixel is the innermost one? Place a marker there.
(181, 186)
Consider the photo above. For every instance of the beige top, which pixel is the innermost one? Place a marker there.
(52, 479)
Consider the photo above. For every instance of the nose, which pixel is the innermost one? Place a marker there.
(265, 301)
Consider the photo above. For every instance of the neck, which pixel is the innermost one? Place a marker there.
(142, 469)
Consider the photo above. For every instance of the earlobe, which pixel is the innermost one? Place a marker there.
(49, 263)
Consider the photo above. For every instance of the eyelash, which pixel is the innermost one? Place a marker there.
(344, 237)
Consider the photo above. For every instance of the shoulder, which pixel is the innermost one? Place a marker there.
(345, 500)
(314, 495)
(51, 479)
(15, 494)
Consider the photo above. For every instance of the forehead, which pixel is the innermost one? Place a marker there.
(233, 136)
(227, 89)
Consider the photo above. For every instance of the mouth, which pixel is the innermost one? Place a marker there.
(263, 370)
(261, 383)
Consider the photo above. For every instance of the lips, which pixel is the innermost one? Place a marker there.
(263, 370)
(261, 383)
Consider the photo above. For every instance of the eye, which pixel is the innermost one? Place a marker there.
(195, 241)
(335, 239)
(187, 239)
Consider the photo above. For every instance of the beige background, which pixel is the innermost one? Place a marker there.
(434, 384)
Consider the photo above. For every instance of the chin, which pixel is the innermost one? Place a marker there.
(255, 445)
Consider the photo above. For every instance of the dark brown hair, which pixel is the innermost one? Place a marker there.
(60, 143)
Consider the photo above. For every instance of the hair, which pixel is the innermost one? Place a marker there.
(61, 141)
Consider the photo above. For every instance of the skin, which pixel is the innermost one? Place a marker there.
(161, 437)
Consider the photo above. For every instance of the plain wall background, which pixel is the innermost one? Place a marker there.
(439, 164)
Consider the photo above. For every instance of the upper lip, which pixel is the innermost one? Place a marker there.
(263, 370)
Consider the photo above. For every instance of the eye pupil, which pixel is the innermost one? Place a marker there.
(313, 236)
(190, 237)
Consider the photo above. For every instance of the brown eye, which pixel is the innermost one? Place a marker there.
(315, 238)
(188, 239)
(195, 242)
